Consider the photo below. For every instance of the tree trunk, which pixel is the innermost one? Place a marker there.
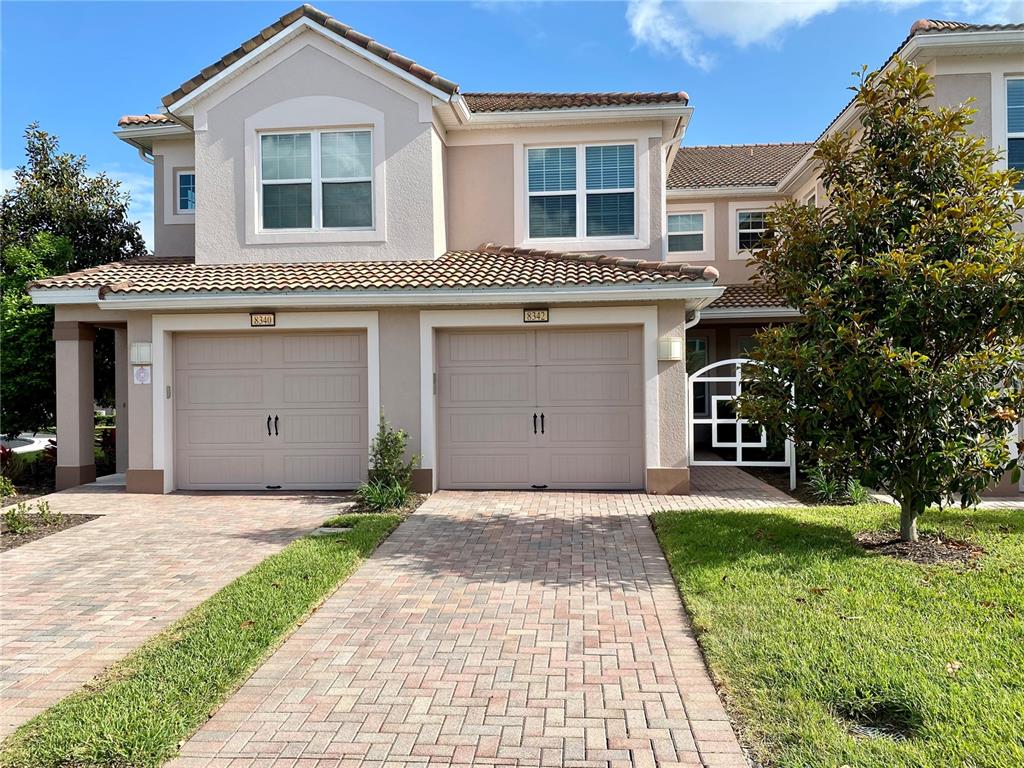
(909, 511)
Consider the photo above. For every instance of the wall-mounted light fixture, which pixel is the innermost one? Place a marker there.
(141, 353)
(670, 348)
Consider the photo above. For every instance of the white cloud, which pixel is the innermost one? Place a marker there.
(681, 27)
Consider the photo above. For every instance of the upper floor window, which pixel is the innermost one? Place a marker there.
(186, 191)
(686, 233)
(1015, 126)
(750, 228)
(316, 180)
(593, 184)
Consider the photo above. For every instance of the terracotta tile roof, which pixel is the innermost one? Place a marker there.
(737, 165)
(489, 266)
(328, 22)
(150, 119)
(747, 296)
(519, 102)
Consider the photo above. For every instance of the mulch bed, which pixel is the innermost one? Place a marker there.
(9, 540)
(415, 500)
(930, 549)
(779, 478)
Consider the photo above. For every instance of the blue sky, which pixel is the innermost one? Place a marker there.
(756, 71)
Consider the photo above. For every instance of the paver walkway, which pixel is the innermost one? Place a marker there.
(491, 629)
(76, 601)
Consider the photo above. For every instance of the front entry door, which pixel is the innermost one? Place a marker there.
(552, 408)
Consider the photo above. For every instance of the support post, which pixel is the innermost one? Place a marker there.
(76, 462)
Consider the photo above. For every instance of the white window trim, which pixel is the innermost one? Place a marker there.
(178, 173)
(708, 252)
(316, 180)
(1005, 122)
(304, 115)
(166, 325)
(735, 209)
(580, 192)
(810, 198)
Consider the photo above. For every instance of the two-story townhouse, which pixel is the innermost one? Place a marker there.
(324, 213)
(717, 196)
(325, 217)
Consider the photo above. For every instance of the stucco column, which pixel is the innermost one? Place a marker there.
(122, 376)
(76, 463)
(673, 476)
(141, 477)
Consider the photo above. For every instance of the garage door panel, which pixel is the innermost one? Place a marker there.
(219, 471)
(488, 388)
(463, 428)
(221, 352)
(472, 348)
(321, 349)
(223, 389)
(595, 468)
(586, 346)
(590, 385)
(323, 470)
(342, 428)
(324, 387)
(233, 428)
(620, 427)
(496, 468)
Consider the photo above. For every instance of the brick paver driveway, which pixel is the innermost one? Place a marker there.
(79, 600)
(490, 629)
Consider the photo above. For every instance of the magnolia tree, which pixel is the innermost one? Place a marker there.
(908, 358)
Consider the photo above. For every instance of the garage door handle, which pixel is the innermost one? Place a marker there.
(535, 423)
(268, 425)
(275, 425)
(542, 423)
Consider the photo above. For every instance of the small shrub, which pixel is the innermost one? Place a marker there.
(12, 465)
(7, 489)
(825, 485)
(387, 457)
(381, 496)
(47, 515)
(16, 518)
(856, 492)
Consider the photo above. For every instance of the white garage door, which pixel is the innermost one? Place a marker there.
(555, 408)
(270, 410)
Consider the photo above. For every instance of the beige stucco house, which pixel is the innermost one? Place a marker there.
(516, 279)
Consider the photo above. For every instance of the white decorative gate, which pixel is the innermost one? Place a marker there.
(728, 432)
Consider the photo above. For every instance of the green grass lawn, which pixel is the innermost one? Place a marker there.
(144, 706)
(805, 632)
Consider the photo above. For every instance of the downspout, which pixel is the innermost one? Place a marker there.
(146, 155)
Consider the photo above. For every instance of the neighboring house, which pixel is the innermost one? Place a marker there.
(325, 210)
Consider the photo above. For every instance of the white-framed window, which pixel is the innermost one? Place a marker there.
(316, 180)
(1015, 125)
(750, 228)
(811, 201)
(185, 191)
(581, 191)
(686, 232)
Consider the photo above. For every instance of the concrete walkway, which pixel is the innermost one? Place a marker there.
(79, 600)
(539, 629)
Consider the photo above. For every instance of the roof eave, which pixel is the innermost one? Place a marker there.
(735, 190)
(696, 293)
(615, 113)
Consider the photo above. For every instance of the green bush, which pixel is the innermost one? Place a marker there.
(380, 496)
(825, 486)
(856, 492)
(47, 515)
(387, 457)
(7, 488)
(16, 518)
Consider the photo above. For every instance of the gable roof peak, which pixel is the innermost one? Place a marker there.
(330, 24)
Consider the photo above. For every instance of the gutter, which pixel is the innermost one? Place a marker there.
(698, 294)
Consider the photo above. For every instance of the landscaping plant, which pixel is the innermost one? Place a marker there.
(389, 485)
(7, 489)
(16, 518)
(908, 357)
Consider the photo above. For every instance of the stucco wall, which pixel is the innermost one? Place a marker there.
(480, 195)
(310, 82)
(953, 90)
(673, 437)
(400, 371)
(174, 234)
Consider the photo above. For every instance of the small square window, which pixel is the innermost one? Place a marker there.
(750, 228)
(686, 233)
